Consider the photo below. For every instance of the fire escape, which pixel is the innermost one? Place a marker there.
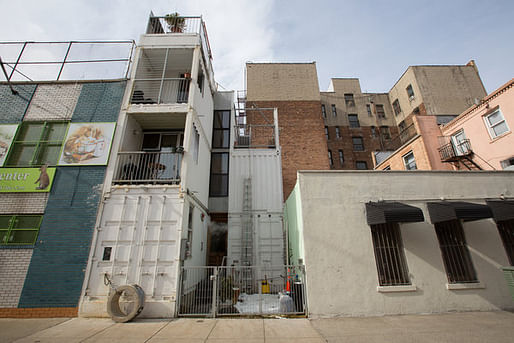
(457, 152)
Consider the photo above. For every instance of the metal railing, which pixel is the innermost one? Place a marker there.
(254, 128)
(249, 290)
(148, 167)
(160, 91)
(403, 137)
(71, 60)
(449, 150)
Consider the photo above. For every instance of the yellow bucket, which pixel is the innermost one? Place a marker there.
(265, 287)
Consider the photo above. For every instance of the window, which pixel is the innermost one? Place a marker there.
(358, 143)
(354, 120)
(361, 165)
(389, 255)
(219, 174)
(189, 241)
(330, 161)
(460, 143)
(410, 92)
(380, 111)
(323, 111)
(341, 157)
(409, 161)
(373, 132)
(496, 124)
(348, 99)
(221, 130)
(338, 132)
(19, 229)
(387, 168)
(368, 108)
(384, 130)
(396, 107)
(334, 110)
(326, 133)
(506, 229)
(457, 260)
(508, 163)
(37, 143)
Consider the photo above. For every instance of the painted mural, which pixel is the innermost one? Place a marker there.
(7, 133)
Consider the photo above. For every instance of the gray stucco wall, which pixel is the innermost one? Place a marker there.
(340, 263)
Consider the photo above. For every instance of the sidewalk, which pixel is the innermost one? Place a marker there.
(454, 327)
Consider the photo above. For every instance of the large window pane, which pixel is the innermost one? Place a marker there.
(30, 132)
(56, 131)
(220, 139)
(219, 163)
(26, 222)
(219, 185)
(23, 237)
(21, 155)
(48, 154)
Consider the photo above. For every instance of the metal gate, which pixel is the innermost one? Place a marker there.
(241, 291)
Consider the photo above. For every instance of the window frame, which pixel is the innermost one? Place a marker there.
(490, 127)
(353, 120)
(455, 252)
(385, 132)
(349, 100)
(407, 164)
(338, 132)
(323, 111)
(334, 110)
(368, 108)
(40, 145)
(361, 144)
(330, 159)
(341, 157)
(506, 231)
(396, 107)
(361, 163)
(224, 130)
(382, 113)
(221, 174)
(11, 228)
(391, 263)
(327, 136)
(410, 92)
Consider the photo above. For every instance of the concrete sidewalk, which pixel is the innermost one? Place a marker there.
(454, 327)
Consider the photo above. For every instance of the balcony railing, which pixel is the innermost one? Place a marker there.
(160, 91)
(451, 151)
(404, 136)
(143, 167)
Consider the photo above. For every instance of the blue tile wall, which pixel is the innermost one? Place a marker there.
(13, 107)
(99, 102)
(59, 260)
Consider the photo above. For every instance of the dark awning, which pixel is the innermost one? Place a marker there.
(502, 209)
(392, 212)
(450, 210)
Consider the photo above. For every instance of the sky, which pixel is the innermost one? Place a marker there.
(374, 41)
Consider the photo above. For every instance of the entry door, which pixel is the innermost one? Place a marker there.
(169, 143)
(459, 143)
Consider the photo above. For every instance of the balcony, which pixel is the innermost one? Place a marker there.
(160, 91)
(452, 151)
(403, 137)
(142, 167)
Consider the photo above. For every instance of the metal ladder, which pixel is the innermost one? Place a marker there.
(247, 237)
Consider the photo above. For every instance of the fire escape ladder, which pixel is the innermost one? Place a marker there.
(247, 234)
(468, 162)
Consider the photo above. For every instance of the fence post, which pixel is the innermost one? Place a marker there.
(214, 279)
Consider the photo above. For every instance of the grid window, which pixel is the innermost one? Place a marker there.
(380, 111)
(348, 99)
(409, 161)
(19, 230)
(354, 120)
(334, 110)
(410, 92)
(496, 124)
(457, 260)
(326, 133)
(368, 108)
(361, 165)
(341, 157)
(389, 255)
(221, 130)
(396, 107)
(338, 132)
(358, 143)
(330, 161)
(219, 174)
(37, 143)
(506, 229)
(384, 130)
(323, 111)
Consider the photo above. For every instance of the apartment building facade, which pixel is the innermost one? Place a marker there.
(55, 144)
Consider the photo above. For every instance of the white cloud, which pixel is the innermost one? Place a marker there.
(239, 30)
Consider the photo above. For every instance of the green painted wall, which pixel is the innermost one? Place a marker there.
(294, 223)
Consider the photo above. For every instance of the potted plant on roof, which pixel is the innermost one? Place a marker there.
(175, 22)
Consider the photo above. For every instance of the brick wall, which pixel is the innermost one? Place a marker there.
(56, 272)
(99, 102)
(302, 138)
(13, 268)
(13, 107)
(19, 203)
(53, 101)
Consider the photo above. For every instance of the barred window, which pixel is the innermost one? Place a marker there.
(389, 255)
(456, 257)
(506, 229)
